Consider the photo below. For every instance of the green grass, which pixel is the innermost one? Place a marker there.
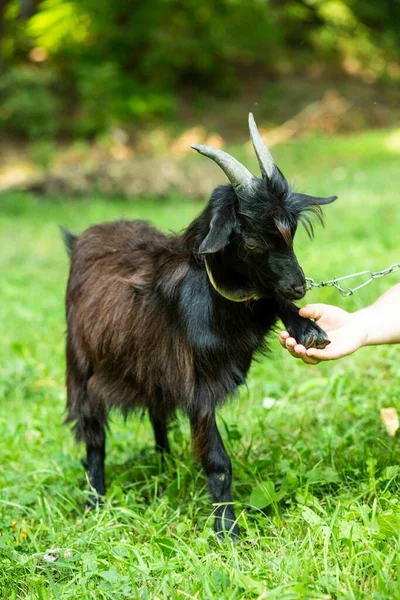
(316, 477)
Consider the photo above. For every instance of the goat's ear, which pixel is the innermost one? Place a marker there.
(310, 200)
(221, 228)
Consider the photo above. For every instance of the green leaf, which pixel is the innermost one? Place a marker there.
(323, 475)
(351, 530)
(390, 472)
(120, 552)
(173, 491)
(247, 583)
(305, 498)
(234, 434)
(311, 517)
(166, 545)
(112, 575)
(89, 560)
(263, 495)
(389, 524)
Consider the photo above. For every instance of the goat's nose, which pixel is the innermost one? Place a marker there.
(299, 290)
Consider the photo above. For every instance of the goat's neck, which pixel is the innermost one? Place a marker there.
(227, 282)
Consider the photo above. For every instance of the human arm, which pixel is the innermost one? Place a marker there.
(376, 324)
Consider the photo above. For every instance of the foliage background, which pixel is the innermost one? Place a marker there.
(89, 65)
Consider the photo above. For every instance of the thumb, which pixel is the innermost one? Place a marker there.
(312, 311)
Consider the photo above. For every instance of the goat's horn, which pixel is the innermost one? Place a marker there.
(264, 157)
(238, 175)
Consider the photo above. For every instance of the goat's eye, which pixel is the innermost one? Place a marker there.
(252, 244)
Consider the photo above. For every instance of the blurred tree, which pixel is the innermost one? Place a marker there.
(28, 8)
(126, 60)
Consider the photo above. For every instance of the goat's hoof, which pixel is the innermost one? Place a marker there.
(317, 340)
(93, 502)
(227, 529)
(310, 335)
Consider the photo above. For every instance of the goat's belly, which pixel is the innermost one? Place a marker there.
(201, 387)
(113, 391)
(166, 385)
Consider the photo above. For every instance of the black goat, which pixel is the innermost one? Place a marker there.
(166, 322)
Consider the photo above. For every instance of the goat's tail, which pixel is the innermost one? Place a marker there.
(69, 239)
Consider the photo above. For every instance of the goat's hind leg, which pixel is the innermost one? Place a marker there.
(159, 423)
(209, 447)
(87, 411)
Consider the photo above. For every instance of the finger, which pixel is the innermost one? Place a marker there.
(309, 360)
(319, 354)
(300, 350)
(297, 351)
(290, 343)
(283, 336)
(312, 311)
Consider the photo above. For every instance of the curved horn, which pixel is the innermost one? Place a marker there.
(238, 175)
(264, 157)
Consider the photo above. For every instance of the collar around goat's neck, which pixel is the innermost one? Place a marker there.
(225, 294)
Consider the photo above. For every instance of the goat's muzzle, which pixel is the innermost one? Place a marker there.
(293, 292)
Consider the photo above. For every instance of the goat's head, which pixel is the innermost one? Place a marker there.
(255, 232)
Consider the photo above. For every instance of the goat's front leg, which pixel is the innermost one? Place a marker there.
(209, 447)
(304, 331)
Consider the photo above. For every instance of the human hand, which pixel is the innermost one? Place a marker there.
(347, 332)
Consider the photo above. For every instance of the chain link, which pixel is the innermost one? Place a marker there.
(350, 291)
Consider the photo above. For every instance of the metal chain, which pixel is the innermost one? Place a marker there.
(350, 291)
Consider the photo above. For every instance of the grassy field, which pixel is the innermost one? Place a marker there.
(316, 476)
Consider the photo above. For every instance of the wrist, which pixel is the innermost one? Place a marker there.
(363, 320)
